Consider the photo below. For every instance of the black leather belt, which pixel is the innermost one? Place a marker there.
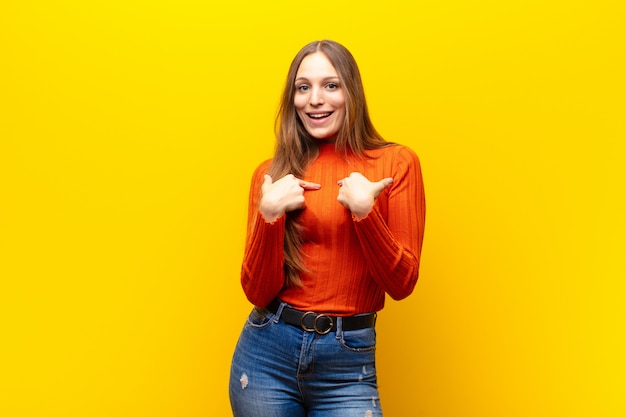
(321, 323)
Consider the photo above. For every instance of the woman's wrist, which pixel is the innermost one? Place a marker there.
(270, 213)
(361, 211)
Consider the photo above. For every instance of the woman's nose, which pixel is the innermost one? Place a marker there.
(317, 97)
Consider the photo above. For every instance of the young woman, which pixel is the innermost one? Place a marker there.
(336, 221)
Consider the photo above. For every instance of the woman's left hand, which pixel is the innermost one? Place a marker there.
(358, 194)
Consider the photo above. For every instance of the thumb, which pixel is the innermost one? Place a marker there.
(267, 181)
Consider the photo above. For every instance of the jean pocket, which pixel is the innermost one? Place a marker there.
(362, 340)
(259, 318)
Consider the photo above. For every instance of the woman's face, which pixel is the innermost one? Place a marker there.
(319, 99)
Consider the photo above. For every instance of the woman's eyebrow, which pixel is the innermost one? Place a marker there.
(328, 78)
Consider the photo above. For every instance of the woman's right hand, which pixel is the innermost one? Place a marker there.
(284, 195)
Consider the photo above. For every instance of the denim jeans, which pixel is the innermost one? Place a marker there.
(281, 370)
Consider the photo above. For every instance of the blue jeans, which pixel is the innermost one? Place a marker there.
(281, 370)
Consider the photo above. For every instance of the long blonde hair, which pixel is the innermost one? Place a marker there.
(296, 149)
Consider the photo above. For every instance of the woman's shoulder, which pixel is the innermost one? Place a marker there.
(264, 166)
(395, 151)
(261, 170)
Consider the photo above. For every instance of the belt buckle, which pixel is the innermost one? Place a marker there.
(315, 327)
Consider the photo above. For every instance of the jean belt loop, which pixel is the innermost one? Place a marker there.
(279, 311)
(339, 333)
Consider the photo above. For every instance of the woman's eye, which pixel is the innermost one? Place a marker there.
(303, 88)
(332, 86)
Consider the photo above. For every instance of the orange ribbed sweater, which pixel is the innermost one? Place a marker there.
(351, 263)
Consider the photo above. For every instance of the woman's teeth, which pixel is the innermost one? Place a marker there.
(319, 115)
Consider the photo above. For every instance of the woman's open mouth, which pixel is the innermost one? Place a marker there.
(318, 116)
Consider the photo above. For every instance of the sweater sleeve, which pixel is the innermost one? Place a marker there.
(262, 274)
(393, 247)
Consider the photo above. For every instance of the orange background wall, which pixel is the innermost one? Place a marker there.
(128, 133)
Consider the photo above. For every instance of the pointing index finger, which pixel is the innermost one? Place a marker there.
(382, 184)
(307, 185)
